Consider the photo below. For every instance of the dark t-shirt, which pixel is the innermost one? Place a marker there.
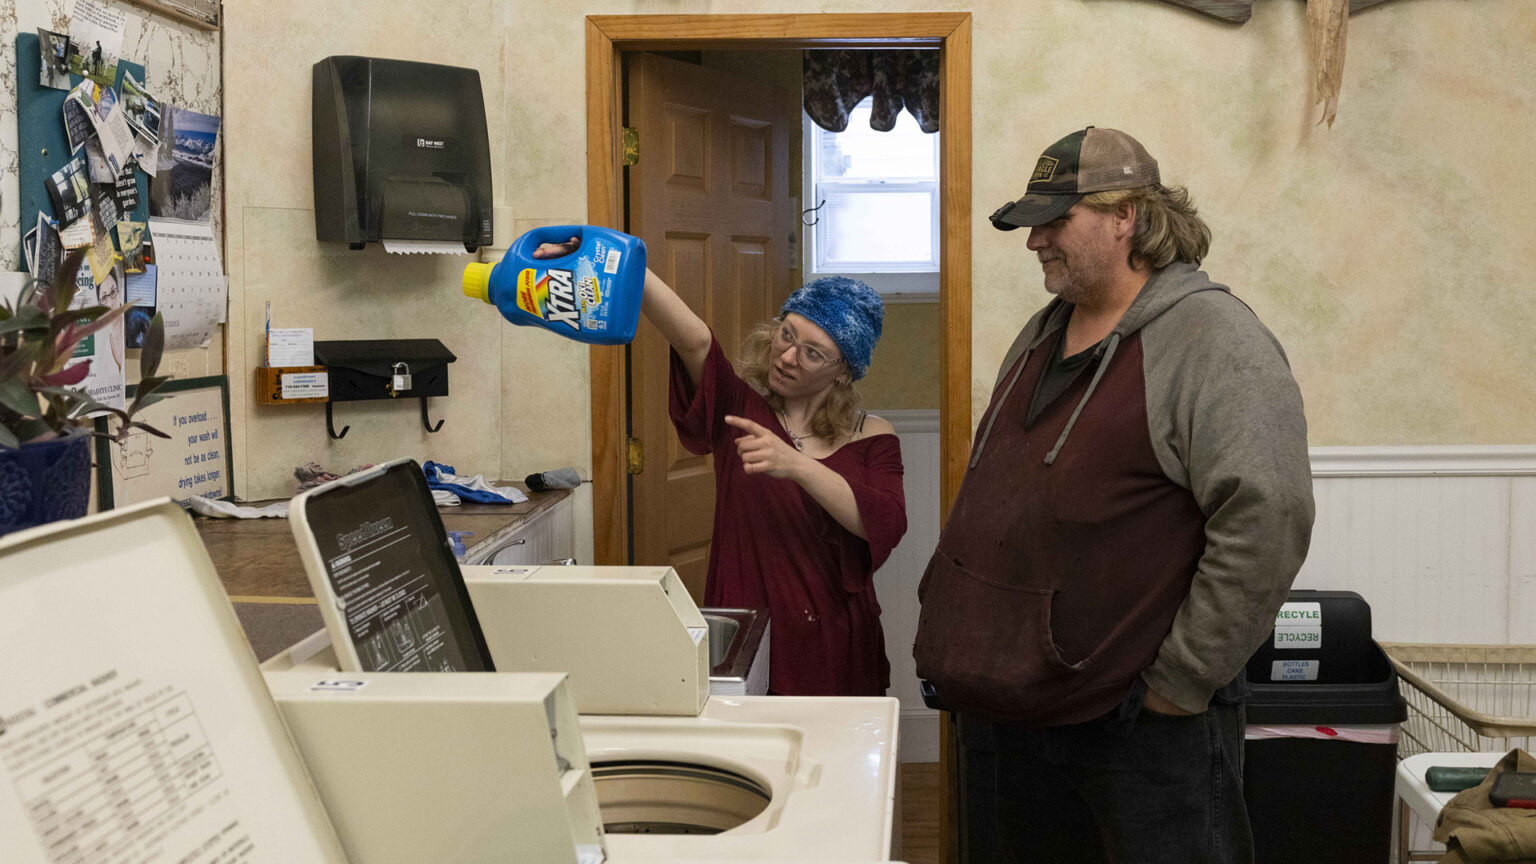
(1059, 375)
(775, 547)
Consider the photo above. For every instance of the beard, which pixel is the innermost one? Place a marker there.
(1072, 285)
(1082, 279)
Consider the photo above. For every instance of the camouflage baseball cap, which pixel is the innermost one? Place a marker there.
(1093, 160)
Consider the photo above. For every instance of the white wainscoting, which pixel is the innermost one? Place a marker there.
(1441, 541)
(896, 581)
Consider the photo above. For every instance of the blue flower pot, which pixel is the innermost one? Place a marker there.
(44, 482)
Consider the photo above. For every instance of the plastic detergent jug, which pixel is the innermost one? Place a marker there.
(591, 295)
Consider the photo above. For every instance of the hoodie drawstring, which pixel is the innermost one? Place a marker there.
(1109, 352)
(985, 433)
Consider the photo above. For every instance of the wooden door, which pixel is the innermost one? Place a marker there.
(710, 198)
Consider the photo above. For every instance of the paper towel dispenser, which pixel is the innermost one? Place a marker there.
(400, 152)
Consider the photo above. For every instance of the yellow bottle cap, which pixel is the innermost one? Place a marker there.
(477, 281)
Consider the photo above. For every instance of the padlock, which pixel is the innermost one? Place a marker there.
(400, 381)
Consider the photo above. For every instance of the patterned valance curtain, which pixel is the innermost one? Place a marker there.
(835, 81)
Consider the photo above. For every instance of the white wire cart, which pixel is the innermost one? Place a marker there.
(1461, 699)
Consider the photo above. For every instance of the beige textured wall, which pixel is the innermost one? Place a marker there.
(343, 294)
(904, 371)
(1388, 253)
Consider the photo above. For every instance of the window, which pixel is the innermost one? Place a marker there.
(882, 200)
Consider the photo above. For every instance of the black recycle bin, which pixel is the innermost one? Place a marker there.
(1320, 757)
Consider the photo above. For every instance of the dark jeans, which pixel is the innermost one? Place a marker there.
(1132, 787)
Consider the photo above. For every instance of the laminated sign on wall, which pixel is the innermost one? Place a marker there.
(194, 460)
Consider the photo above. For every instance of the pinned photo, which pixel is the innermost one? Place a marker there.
(142, 111)
(95, 160)
(29, 249)
(141, 293)
(96, 37)
(70, 190)
(112, 128)
(101, 253)
(78, 107)
(184, 188)
(48, 250)
(54, 48)
(105, 205)
(92, 62)
(130, 239)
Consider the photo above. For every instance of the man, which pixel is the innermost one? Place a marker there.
(1137, 503)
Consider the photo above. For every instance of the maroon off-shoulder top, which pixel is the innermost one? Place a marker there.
(775, 547)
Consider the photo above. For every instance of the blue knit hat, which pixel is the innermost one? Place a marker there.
(850, 311)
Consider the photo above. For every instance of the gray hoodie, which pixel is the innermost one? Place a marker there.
(1175, 483)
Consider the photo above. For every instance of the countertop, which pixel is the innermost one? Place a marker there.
(258, 562)
(257, 558)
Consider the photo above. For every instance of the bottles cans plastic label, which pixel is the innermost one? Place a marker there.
(1294, 670)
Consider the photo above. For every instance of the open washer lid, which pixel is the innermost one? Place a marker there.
(134, 724)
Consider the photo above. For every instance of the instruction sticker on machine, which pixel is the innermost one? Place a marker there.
(1299, 625)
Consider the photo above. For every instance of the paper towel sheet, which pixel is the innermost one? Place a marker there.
(425, 247)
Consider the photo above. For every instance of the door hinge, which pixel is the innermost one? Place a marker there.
(635, 457)
(630, 140)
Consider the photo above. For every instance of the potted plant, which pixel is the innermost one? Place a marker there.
(45, 425)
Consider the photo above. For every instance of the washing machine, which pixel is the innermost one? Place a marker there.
(135, 724)
(678, 773)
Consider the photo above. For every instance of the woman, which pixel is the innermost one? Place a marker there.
(808, 495)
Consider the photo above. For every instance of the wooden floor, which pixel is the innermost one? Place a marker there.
(919, 813)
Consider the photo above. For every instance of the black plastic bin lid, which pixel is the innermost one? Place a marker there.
(1375, 700)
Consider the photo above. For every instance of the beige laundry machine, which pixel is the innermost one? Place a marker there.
(679, 774)
(135, 725)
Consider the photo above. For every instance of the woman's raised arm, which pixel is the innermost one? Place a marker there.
(684, 330)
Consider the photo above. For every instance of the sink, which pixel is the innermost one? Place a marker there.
(722, 633)
(736, 639)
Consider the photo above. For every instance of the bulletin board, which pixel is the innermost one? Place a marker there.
(41, 143)
(195, 460)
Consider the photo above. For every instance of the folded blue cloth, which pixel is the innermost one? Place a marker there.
(470, 488)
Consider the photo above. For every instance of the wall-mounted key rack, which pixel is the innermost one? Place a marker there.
(362, 369)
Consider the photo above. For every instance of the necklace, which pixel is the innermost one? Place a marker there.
(797, 440)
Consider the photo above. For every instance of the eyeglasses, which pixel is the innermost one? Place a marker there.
(811, 357)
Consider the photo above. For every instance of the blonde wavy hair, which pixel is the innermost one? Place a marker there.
(833, 421)
(1168, 227)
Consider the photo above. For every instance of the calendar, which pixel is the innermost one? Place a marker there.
(191, 291)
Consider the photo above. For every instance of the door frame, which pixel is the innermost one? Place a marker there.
(607, 36)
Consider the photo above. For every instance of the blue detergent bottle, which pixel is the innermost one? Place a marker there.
(591, 295)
